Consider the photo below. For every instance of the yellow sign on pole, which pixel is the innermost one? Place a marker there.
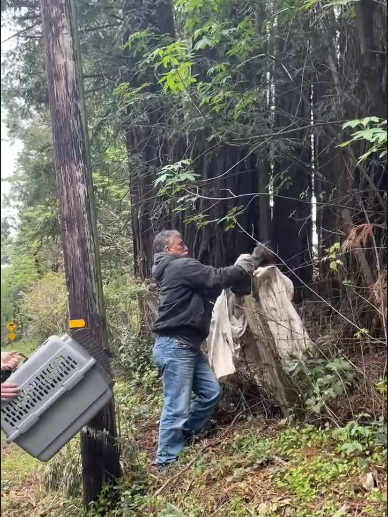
(77, 324)
(12, 336)
(11, 326)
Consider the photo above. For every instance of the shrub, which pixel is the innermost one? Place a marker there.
(44, 308)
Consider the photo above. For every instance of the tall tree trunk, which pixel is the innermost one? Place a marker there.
(265, 230)
(145, 150)
(373, 59)
(100, 455)
(292, 212)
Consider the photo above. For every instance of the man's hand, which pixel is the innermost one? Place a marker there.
(10, 361)
(9, 391)
(261, 254)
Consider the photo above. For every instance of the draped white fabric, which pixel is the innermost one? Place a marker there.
(274, 308)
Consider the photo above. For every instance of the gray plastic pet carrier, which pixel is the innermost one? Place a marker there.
(61, 389)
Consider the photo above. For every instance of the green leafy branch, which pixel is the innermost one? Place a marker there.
(177, 58)
(175, 177)
(332, 256)
(374, 131)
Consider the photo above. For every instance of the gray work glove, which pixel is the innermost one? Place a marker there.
(261, 254)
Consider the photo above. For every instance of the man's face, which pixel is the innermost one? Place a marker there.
(177, 247)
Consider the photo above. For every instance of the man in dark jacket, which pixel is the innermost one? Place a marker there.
(188, 290)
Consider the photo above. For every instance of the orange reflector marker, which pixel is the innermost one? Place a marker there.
(77, 324)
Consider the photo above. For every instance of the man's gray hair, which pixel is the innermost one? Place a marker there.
(162, 240)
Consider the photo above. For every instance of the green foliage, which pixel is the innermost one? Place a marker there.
(122, 296)
(16, 280)
(361, 334)
(135, 354)
(171, 511)
(14, 467)
(326, 380)
(6, 306)
(312, 476)
(263, 467)
(121, 501)
(178, 60)
(130, 96)
(381, 386)
(25, 348)
(229, 220)
(6, 241)
(43, 308)
(330, 380)
(299, 471)
(174, 178)
(361, 438)
(332, 256)
(64, 472)
(374, 131)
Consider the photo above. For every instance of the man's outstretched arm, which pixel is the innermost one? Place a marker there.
(209, 279)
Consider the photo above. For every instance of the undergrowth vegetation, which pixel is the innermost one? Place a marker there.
(252, 467)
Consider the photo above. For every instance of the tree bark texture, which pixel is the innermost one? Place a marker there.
(373, 59)
(265, 361)
(100, 455)
(143, 142)
(292, 228)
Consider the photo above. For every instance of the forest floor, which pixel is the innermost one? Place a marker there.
(252, 467)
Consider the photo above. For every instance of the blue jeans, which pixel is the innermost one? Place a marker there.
(184, 371)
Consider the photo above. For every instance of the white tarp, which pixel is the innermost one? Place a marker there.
(274, 306)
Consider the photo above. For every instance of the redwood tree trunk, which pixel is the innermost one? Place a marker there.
(373, 59)
(100, 455)
(145, 147)
(292, 235)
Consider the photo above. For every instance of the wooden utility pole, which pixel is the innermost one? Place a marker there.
(99, 449)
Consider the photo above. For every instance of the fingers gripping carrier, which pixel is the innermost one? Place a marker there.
(61, 389)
